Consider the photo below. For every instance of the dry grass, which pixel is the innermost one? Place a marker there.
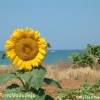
(58, 71)
(65, 71)
(61, 71)
(7, 69)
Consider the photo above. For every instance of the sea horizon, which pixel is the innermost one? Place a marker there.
(53, 56)
(56, 49)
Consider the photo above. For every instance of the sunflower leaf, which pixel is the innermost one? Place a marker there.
(48, 97)
(6, 77)
(48, 45)
(52, 82)
(13, 92)
(36, 80)
(33, 78)
(21, 74)
(39, 71)
(12, 87)
(39, 94)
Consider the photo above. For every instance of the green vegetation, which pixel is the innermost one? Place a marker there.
(32, 82)
(86, 92)
(90, 57)
(93, 50)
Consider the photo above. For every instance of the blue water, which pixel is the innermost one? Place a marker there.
(52, 57)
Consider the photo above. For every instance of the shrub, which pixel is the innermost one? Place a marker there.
(90, 57)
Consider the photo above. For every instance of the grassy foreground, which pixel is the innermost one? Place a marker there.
(66, 74)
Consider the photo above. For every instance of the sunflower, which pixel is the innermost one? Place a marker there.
(26, 49)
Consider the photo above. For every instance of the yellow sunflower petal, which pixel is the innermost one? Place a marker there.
(43, 46)
(9, 42)
(13, 39)
(28, 65)
(22, 66)
(15, 61)
(26, 31)
(19, 62)
(40, 56)
(42, 41)
(11, 54)
(9, 46)
(34, 63)
(21, 33)
(31, 33)
(36, 35)
(16, 35)
(43, 51)
(39, 60)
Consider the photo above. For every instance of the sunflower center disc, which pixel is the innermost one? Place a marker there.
(26, 49)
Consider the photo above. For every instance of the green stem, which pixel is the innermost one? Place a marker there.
(26, 86)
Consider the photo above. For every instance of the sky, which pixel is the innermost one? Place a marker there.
(66, 24)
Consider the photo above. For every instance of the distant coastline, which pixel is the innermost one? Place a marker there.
(53, 56)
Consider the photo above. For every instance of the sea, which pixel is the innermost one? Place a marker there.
(53, 56)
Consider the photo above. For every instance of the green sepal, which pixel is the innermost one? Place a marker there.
(3, 56)
(52, 82)
(48, 45)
